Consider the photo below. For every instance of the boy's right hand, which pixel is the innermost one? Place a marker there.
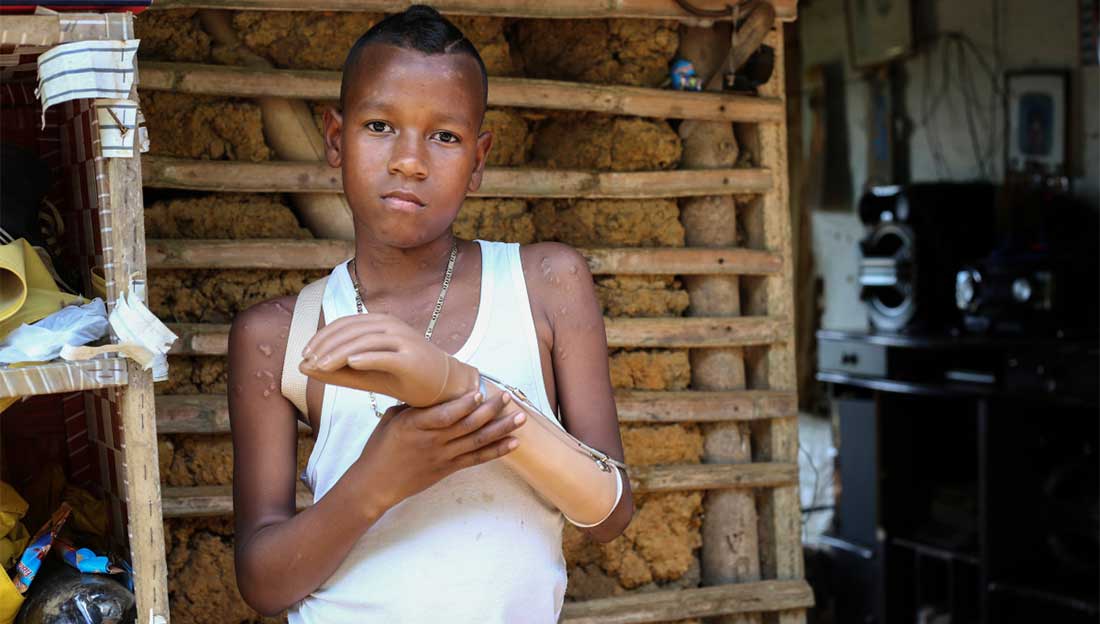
(413, 448)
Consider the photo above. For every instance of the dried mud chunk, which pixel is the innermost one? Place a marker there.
(213, 296)
(202, 584)
(649, 445)
(165, 452)
(658, 545)
(194, 375)
(173, 35)
(223, 215)
(303, 40)
(511, 140)
(650, 370)
(208, 460)
(633, 295)
(495, 219)
(487, 35)
(189, 126)
(609, 222)
(591, 141)
(616, 51)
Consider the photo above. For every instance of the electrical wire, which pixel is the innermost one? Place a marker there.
(962, 67)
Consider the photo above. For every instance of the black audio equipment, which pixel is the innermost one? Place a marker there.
(918, 238)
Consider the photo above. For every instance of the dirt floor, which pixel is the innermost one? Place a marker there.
(660, 547)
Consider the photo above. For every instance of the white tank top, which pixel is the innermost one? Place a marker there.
(479, 546)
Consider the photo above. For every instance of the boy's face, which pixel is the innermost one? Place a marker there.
(408, 142)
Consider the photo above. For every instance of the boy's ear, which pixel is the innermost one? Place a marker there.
(484, 144)
(334, 125)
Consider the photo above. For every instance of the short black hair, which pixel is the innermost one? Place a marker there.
(420, 28)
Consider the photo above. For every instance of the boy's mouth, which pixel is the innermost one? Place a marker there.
(402, 200)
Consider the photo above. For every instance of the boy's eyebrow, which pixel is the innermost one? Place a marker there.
(442, 117)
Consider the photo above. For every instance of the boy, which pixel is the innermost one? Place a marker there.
(412, 520)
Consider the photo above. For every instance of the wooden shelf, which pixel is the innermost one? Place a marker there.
(62, 376)
(558, 9)
(223, 80)
(187, 502)
(678, 604)
(318, 177)
(209, 413)
(327, 253)
(666, 333)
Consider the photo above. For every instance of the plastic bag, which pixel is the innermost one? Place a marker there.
(42, 341)
(65, 596)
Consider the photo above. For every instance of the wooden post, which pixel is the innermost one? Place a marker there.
(290, 130)
(730, 550)
(136, 408)
(768, 226)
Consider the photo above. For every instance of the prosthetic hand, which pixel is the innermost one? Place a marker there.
(380, 353)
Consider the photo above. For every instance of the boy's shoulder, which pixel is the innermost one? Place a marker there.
(555, 273)
(556, 264)
(263, 328)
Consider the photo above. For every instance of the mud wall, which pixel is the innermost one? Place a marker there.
(660, 547)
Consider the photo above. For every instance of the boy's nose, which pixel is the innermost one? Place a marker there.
(408, 160)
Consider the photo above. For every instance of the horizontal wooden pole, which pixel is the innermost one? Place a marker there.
(63, 376)
(182, 502)
(223, 80)
(558, 9)
(670, 333)
(327, 253)
(318, 177)
(697, 602)
(209, 413)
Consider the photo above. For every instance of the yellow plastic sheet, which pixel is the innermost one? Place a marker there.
(13, 539)
(27, 291)
(10, 600)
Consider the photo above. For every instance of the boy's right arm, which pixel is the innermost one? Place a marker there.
(282, 556)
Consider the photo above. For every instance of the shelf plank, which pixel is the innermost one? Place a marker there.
(187, 502)
(209, 413)
(669, 333)
(62, 376)
(223, 80)
(785, 10)
(318, 177)
(327, 253)
(678, 604)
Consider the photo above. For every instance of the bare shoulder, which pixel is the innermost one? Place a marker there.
(258, 336)
(554, 269)
(560, 287)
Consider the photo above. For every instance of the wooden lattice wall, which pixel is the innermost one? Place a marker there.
(737, 268)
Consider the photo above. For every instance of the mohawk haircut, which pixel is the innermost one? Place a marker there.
(420, 28)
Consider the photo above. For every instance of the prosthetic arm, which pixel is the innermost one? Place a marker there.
(380, 353)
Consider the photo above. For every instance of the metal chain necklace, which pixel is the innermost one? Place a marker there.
(361, 309)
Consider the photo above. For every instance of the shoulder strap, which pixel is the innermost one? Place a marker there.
(303, 325)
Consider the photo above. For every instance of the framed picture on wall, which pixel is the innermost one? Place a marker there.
(1036, 113)
(879, 31)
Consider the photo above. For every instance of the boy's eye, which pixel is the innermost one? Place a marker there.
(447, 137)
(377, 126)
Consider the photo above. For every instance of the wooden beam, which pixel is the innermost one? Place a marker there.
(307, 177)
(223, 80)
(699, 602)
(665, 333)
(217, 500)
(559, 9)
(209, 413)
(62, 376)
(325, 254)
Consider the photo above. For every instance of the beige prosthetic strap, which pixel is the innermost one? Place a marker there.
(303, 325)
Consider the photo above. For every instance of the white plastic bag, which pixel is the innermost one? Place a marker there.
(43, 340)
